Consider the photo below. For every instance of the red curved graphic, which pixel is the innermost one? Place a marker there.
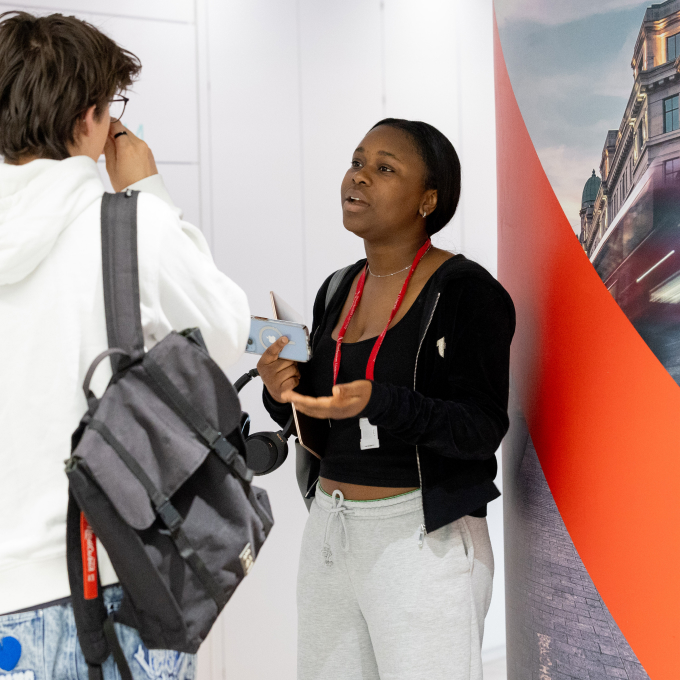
(603, 413)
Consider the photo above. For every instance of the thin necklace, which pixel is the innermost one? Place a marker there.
(384, 276)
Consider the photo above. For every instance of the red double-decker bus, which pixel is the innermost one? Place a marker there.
(638, 259)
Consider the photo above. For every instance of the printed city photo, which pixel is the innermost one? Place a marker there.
(598, 85)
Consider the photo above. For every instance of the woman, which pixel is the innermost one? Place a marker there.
(410, 369)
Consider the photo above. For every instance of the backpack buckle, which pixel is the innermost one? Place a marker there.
(168, 513)
(230, 456)
(225, 450)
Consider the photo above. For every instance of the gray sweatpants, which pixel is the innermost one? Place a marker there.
(377, 600)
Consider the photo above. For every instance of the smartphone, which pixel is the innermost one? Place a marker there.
(265, 332)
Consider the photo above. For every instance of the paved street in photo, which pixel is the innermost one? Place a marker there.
(558, 626)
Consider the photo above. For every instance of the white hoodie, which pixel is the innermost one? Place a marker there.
(52, 325)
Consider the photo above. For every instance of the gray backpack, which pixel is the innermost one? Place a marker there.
(158, 474)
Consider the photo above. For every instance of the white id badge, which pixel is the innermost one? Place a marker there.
(369, 435)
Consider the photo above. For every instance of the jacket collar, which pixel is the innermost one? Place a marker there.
(456, 267)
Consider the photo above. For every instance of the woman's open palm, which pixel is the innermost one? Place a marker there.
(348, 400)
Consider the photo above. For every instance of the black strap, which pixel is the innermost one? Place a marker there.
(157, 498)
(335, 282)
(181, 405)
(116, 650)
(95, 672)
(332, 289)
(230, 456)
(89, 395)
(184, 409)
(89, 614)
(121, 276)
(189, 555)
(224, 449)
(307, 465)
(167, 512)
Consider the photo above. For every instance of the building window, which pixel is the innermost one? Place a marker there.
(671, 170)
(672, 47)
(640, 141)
(670, 114)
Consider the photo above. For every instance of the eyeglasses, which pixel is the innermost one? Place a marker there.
(117, 108)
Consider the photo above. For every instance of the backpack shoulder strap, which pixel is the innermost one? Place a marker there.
(121, 276)
(306, 465)
(335, 282)
(96, 633)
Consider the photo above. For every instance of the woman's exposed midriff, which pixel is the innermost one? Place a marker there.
(360, 492)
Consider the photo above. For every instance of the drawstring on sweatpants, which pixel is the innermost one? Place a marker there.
(338, 510)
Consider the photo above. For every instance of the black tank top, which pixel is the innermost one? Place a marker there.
(394, 463)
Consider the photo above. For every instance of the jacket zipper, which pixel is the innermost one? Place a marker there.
(423, 528)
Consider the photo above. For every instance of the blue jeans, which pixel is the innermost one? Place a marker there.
(43, 645)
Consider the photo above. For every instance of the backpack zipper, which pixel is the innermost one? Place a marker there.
(423, 528)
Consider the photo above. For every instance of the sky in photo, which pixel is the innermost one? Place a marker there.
(570, 66)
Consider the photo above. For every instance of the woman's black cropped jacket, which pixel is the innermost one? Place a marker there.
(456, 413)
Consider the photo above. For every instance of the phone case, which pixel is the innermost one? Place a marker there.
(265, 332)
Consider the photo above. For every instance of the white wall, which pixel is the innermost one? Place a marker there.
(310, 78)
(253, 108)
(164, 104)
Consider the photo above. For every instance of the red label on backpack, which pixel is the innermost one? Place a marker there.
(88, 548)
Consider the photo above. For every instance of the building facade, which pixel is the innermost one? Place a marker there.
(649, 133)
(590, 192)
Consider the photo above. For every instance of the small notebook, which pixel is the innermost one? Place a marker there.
(312, 433)
(282, 310)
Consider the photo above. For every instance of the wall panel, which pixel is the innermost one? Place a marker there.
(341, 83)
(422, 76)
(258, 241)
(256, 150)
(183, 185)
(166, 10)
(478, 217)
(163, 106)
(439, 69)
(477, 137)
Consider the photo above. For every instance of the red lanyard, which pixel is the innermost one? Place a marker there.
(370, 368)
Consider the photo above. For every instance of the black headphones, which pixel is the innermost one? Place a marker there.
(265, 451)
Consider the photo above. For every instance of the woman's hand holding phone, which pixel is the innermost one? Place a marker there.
(348, 401)
(278, 375)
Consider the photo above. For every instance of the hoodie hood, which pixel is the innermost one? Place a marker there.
(37, 202)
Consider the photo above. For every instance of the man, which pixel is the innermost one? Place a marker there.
(59, 78)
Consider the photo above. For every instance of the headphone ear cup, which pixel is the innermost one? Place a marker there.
(265, 452)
